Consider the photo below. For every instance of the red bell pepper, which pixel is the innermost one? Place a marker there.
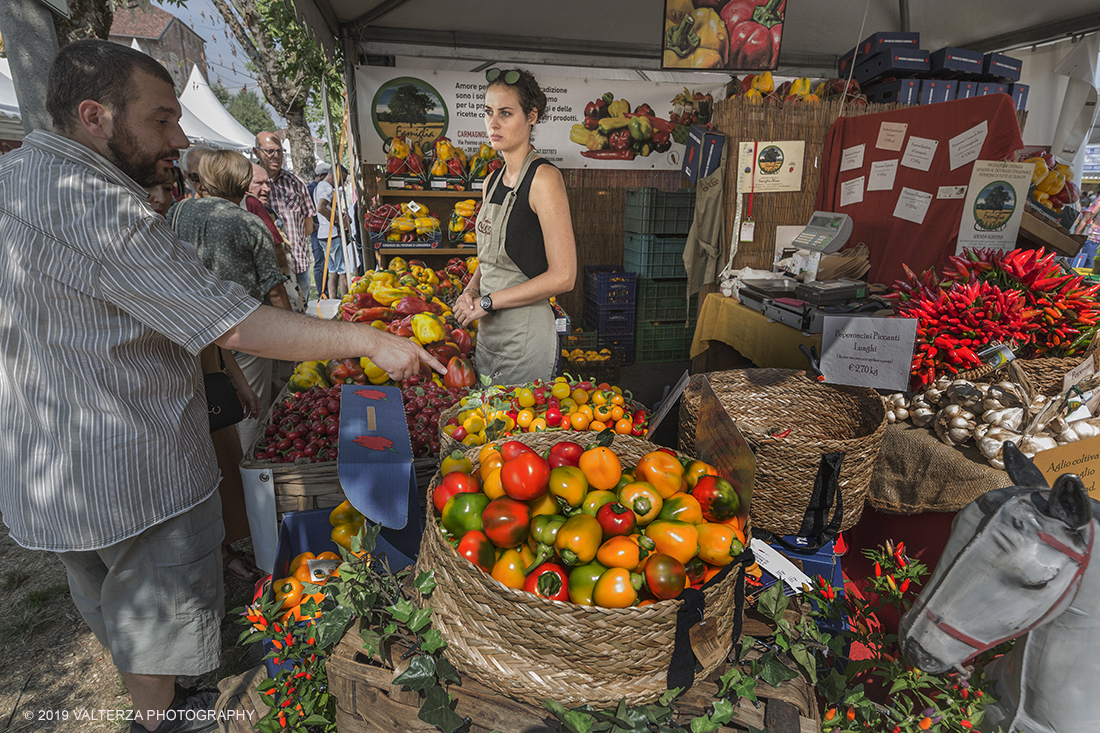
(460, 373)
(345, 371)
(442, 350)
(410, 305)
(415, 165)
(462, 340)
(395, 165)
(548, 580)
(619, 140)
(755, 28)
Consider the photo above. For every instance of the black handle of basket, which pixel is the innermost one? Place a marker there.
(681, 669)
(826, 493)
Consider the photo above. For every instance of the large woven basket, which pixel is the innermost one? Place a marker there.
(821, 418)
(530, 648)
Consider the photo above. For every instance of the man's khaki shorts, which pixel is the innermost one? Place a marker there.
(156, 600)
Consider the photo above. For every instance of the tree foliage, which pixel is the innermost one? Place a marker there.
(248, 109)
(221, 93)
(93, 18)
(409, 104)
(289, 65)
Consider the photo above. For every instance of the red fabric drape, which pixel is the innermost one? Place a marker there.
(892, 241)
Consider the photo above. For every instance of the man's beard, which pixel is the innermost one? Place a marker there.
(127, 155)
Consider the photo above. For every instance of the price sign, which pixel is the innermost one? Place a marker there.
(868, 352)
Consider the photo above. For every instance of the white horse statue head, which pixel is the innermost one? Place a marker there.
(1017, 565)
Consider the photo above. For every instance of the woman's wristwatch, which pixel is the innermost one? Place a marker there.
(487, 304)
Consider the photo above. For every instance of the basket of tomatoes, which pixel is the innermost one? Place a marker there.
(561, 563)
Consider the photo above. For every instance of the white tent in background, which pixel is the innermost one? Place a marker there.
(1079, 106)
(11, 126)
(199, 98)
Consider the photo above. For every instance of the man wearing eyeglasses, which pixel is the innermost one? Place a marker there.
(292, 202)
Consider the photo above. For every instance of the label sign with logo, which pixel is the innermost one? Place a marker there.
(868, 352)
(766, 167)
(994, 205)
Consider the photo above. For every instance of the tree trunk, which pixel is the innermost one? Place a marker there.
(301, 143)
(89, 19)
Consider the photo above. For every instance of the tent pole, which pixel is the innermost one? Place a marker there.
(903, 7)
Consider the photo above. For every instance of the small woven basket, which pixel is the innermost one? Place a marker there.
(530, 648)
(821, 418)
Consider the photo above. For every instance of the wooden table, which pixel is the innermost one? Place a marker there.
(764, 342)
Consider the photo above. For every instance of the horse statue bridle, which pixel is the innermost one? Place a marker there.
(1081, 559)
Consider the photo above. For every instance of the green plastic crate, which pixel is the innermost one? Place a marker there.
(650, 211)
(654, 257)
(664, 300)
(585, 340)
(663, 342)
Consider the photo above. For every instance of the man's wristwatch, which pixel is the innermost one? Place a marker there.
(487, 304)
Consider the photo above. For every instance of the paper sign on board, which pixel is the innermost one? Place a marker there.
(912, 205)
(868, 352)
(1081, 457)
(891, 136)
(919, 153)
(882, 175)
(851, 192)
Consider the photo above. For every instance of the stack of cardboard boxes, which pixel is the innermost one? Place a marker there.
(892, 68)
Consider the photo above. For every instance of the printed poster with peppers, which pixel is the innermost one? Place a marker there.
(735, 35)
(590, 123)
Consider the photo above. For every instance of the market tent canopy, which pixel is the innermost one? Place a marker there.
(11, 126)
(627, 33)
(199, 98)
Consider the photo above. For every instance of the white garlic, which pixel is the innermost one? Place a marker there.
(901, 414)
(1078, 430)
(1002, 395)
(992, 442)
(1037, 443)
(921, 416)
(963, 392)
(954, 425)
(1011, 418)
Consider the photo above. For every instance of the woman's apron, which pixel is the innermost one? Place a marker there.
(516, 345)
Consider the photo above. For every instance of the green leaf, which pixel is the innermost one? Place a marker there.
(445, 672)
(425, 582)
(723, 711)
(578, 721)
(315, 719)
(555, 707)
(668, 696)
(419, 619)
(773, 671)
(436, 710)
(331, 626)
(402, 610)
(432, 641)
(704, 724)
(420, 674)
(372, 641)
(832, 687)
(773, 603)
(805, 661)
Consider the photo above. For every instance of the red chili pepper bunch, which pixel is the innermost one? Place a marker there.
(1066, 313)
(894, 572)
(956, 321)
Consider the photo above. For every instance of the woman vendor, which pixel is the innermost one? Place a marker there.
(525, 246)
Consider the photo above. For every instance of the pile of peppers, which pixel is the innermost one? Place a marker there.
(573, 524)
(1020, 298)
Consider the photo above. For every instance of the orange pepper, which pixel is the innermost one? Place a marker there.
(545, 504)
(578, 539)
(602, 412)
(300, 560)
(599, 397)
(625, 551)
(289, 591)
(601, 467)
(683, 507)
(487, 451)
(493, 487)
(643, 500)
(508, 569)
(298, 614)
(342, 534)
(696, 469)
(597, 426)
(615, 589)
(662, 470)
(718, 544)
(345, 513)
(492, 462)
(624, 426)
(674, 538)
(577, 420)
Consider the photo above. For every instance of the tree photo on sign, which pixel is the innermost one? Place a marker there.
(741, 35)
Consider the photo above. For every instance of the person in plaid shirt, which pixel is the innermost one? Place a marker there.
(292, 202)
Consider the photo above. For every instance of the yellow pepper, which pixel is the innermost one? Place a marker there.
(698, 40)
(375, 374)
(1041, 169)
(1052, 184)
(471, 264)
(800, 87)
(385, 295)
(398, 148)
(764, 82)
(428, 327)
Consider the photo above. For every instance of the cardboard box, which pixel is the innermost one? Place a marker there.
(893, 61)
(1019, 96)
(448, 183)
(989, 87)
(404, 181)
(703, 153)
(966, 89)
(999, 66)
(953, 63)
(902, 91)
(875, 43)
(937, 90)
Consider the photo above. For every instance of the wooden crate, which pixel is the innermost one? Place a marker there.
(368, 702)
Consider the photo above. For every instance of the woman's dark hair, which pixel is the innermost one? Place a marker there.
(531, 97)
(98, 70)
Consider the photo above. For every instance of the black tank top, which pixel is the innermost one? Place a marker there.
(523, 240)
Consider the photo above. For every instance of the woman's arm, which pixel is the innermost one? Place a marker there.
(551, 204)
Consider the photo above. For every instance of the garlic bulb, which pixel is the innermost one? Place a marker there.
(1036, 443)
(992, 442)
(954, 425)
(980, 430)
(1002, 395)
(1008, 417)
(1037, 404)
(962, 392)
(1079, 430)
(896, 407)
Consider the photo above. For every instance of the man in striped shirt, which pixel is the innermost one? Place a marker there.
(292, 202)
(105, 454)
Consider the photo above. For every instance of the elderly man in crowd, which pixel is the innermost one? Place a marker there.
(292, 202)
(110, 466)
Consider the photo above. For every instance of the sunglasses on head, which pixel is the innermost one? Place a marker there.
(510, 77)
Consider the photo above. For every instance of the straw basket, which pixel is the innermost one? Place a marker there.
(821, 419)
(530, 648)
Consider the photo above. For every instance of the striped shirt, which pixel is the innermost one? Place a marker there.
(291, 201)
(103, 311)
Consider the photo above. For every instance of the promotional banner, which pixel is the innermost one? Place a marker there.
(994, 205)
(590, 123)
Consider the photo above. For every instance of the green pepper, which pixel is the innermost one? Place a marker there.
(544, 528)
(462, 513)
(641, 128)
(596, 499)
(308, 374)
(582, 580)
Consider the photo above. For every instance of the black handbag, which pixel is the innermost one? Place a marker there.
(222, 403)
